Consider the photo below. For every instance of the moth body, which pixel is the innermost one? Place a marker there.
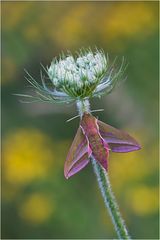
(99, 149)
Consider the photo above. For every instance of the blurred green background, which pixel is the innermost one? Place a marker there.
(37, 202)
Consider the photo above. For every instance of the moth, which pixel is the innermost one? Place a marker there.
(96, 138)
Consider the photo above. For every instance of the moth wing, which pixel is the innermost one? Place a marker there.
(78, 156)
(118, 140)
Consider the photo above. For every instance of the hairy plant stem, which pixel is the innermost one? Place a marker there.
(105, 186)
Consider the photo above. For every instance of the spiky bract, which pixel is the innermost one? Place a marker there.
(69, 78)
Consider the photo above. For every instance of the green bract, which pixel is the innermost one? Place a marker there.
(69, 78)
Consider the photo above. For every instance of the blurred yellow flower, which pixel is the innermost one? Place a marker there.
(128, 19)
(37, 208)
(27, 155)
(14, 13)
(71, 27)
(143, 200)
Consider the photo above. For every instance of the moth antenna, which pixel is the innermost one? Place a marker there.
(72, 118)
(98, 110)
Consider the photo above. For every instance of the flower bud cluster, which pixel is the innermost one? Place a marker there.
(77, 74)
(73, 79)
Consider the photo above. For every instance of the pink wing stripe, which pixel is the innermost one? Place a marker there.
(78, 166)
(118, 140)
(78, 156)
(123, 148)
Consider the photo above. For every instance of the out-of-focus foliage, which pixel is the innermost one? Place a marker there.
(37, 202)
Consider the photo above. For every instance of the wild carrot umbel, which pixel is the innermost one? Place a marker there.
(77, 79)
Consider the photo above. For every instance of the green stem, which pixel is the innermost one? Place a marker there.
(105, 186)
(109, 200)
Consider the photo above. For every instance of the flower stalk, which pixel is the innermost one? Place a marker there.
(83, 106)
(105, 186)
(109, 200)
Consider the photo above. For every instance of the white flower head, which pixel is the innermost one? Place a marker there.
(86, 75)
(77, 76)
